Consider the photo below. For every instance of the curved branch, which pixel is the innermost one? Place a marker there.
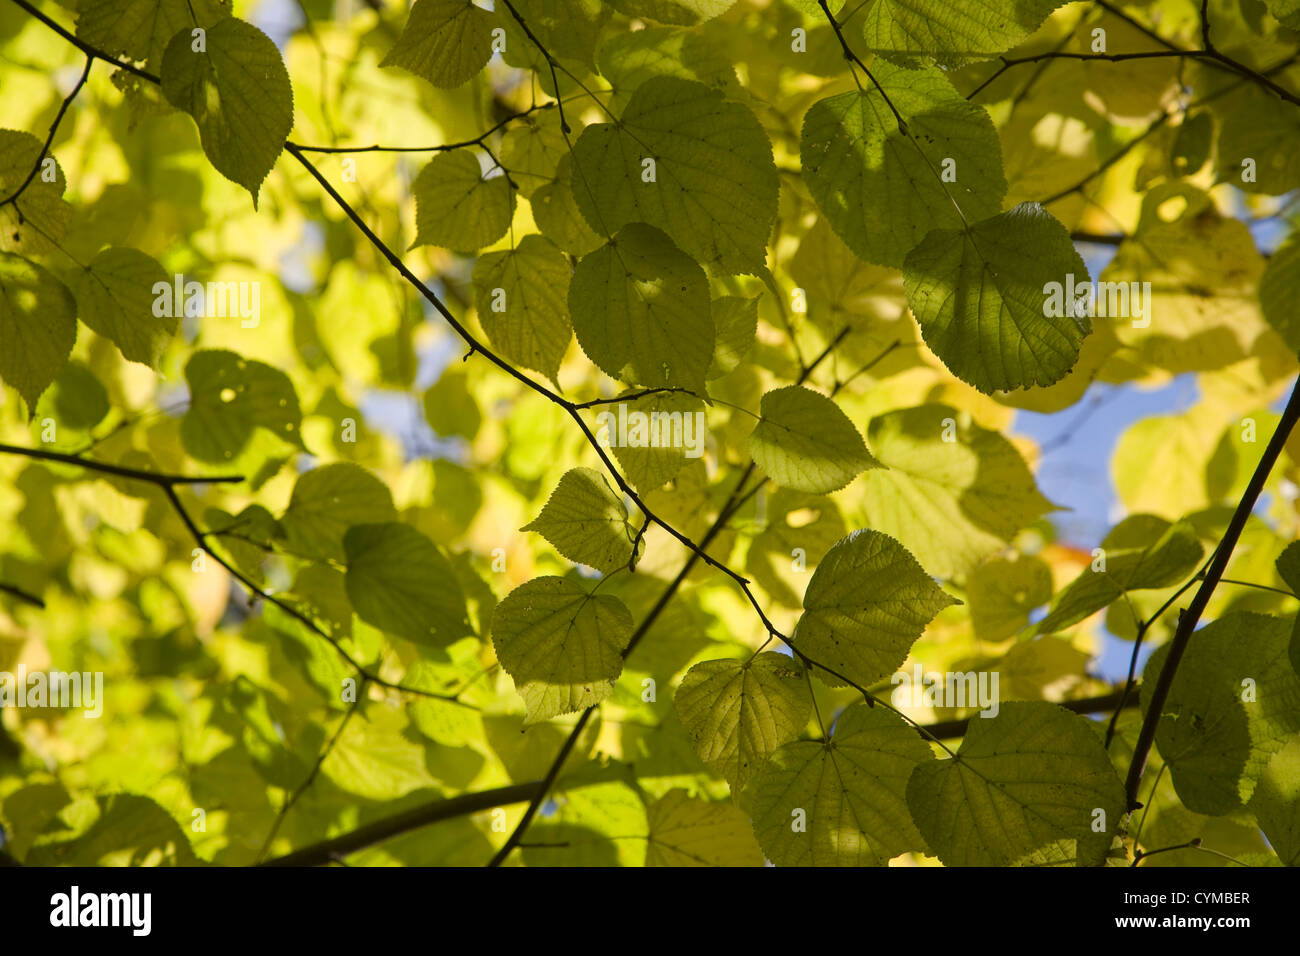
(389, 827)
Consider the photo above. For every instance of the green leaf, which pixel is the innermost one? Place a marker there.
(399, 581)
(365, 325)
(1193, 143)
(738, 712)
(714, 184)
(690, 832)
(119, 829)
(803, 441)
(141, 29)
(1039, 667)
(1276, 803)
(657, 449)
(521, 295)
(75, 403)
(950, 503)
(878, 189)
(1179, 447)
(641, 311)
(1287, 11)
(556, 211)
(456, 207)
(1003, 592)
(842, 290)
(375, 758)
(445, 722)
(1288, 568)
(116, 297)
(684, 12)
(1169, 553)
(38, 326)
(1279, 290)
(532, 149)
(586, 522)
(1233, 703)
(1251, 127)
(36, 804)
(735, 319)
(562, 646)
(449, 405)
(238, 92)
(795, 525)
(1022, 780)
(320, 591)
(444, 41)
(628, 60)
(951, 32)
(262, 735)
(230, 396)
(867, 603)
(842, 802)
(567, 29)
(38, 218)
(327, 501)
(248, 538)
(1196, 275)
(978, 294)
(595, 825)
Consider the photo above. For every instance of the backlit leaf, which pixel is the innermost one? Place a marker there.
(714, 184)
(38, 324)
(978, 294)
(1022, 780)
(562, 646)
(586, 522)
(238, 92)
(883, 190)
(641, 311)
(738, 712)
(841, 802)
(229, 398)
(399, 581)
(867, 602)
(444, 41)
(459, 208)
(804, 442)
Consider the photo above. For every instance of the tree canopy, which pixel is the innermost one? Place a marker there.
(559, 432)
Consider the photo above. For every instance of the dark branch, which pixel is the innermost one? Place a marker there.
(1189, 618)
(84, 47)
(20, 594)
(446, 147)
(326, 852)
(1085, 705)
(131, 474)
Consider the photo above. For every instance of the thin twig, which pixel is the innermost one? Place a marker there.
(54, 128)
